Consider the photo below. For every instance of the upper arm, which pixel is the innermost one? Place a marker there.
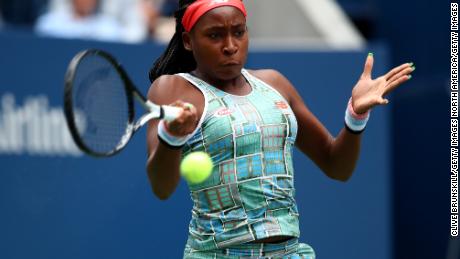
(313, 139)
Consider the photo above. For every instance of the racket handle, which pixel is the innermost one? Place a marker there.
(170, 113)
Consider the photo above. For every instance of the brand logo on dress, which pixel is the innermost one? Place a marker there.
(281, 105)
(223, 112)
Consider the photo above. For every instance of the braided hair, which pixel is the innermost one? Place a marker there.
(175, 59)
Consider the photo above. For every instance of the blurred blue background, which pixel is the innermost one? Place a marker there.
(56, 203)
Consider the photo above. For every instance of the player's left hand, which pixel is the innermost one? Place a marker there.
(369, 92)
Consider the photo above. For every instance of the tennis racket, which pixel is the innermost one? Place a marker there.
(99, 104)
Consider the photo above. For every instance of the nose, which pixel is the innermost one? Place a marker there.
(230, 46)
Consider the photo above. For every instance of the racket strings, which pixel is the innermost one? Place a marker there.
(101, 108)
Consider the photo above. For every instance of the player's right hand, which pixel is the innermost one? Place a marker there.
(186, 122)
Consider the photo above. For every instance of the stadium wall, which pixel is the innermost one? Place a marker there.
(57, 203)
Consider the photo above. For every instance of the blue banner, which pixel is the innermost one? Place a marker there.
(57, 203)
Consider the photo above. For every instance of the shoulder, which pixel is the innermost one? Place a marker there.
(168, 88)
(171, 82)
(166, 85)
(276, 80)
(266, 75)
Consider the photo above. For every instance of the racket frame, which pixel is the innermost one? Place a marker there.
(153, 111)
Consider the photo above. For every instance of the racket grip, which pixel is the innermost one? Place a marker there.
(170, 113)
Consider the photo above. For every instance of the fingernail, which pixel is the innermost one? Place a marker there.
(409, 76)
(413, 68)
(370, 54)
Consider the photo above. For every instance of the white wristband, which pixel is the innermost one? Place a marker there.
(355, 122)
(173, 141)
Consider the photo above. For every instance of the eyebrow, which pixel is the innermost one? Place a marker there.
(219, 26)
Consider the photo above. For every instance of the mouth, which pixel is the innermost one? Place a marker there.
(230, 63)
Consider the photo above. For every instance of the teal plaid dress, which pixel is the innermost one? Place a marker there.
(250, 193)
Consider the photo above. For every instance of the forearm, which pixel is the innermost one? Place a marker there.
(344, 150)
(163, 170)
(343, 155)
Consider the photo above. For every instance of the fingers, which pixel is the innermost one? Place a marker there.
(379, 101)
(398, 70)
(367, 73)
(189, 107)
(188, 110)
(184, 105)
(383, 101)
(187, 120)
(180, 103)
(396, 82)
(405, 70)
(400, 77)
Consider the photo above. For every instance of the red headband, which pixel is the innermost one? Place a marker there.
(200, 7)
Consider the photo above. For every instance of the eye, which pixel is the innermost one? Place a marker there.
(213, 35)
(240, 31)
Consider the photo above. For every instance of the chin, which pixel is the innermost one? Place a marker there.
(228, 73)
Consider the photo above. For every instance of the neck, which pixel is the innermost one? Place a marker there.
(235, 84)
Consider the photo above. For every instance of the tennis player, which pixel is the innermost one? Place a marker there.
(249, 122)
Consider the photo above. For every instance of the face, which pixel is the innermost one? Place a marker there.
(219, 42)
(84, 7)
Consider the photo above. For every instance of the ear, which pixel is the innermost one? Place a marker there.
(186, 39)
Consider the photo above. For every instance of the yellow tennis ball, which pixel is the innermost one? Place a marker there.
(196, 167)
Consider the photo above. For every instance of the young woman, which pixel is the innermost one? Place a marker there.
(248, 121)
